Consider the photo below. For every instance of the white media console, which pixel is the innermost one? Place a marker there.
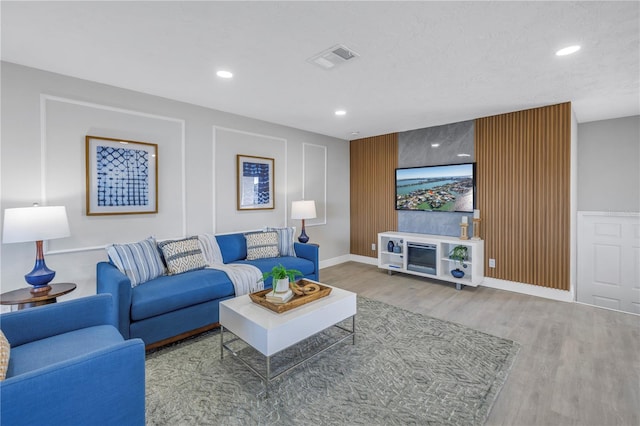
(428, 256)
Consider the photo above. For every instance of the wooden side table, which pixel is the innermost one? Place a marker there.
(24, 298)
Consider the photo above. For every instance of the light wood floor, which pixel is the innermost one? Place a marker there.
(578, 365)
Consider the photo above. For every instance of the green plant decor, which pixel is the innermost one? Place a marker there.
(459, 254)
(279, 272)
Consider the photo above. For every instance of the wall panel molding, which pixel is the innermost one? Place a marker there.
(372, 164)
(523, 170)
(226, 218)
(48, 185)
(314, 180)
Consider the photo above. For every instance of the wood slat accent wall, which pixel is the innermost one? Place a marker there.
(373, 162)
(523, 183)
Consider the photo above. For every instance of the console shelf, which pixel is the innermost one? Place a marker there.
(442, 265)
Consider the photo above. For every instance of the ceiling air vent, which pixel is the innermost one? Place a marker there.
(332, 57)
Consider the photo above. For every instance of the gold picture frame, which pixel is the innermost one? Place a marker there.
(122, 176)
(255, 183)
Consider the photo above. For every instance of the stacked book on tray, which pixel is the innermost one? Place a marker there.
(279, 298)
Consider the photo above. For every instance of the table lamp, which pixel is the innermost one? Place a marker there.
(303, 210)
(36, 224)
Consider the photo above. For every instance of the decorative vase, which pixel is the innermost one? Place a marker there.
(457, 273)
(390, 246)
(281, 285)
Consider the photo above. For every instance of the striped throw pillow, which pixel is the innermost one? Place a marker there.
(262, 245)
(285, 240)
(139, 261)
(182, 255)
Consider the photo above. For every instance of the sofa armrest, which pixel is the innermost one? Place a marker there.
(309, 252)
(33, 324)
(106, 387)
(111, 280)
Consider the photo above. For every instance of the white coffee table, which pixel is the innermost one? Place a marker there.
(270, 332)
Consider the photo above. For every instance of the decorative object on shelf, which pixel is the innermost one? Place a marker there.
(36, 224)
(255, 183)
(464, 228)
(397, 248)
(305, 209)
(476, 225)
(459, 255)
(457, 273)
(390, 246)
(282, 276)
(122, 176)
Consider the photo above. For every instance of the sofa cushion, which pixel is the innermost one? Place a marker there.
(172, 292)
(5, 352)
(139, 261)
(232, 246)
(182, 255)
(285, 240)
(41, 353)
(262, 245)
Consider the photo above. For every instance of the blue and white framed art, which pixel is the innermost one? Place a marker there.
(255, 183)
(122, 176)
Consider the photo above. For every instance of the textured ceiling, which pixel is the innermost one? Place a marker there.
(421, 63)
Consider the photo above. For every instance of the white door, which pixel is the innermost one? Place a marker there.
(609, 260)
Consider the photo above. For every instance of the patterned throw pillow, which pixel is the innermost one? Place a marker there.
(285, 240)
(140, 261)
(5, 352)
(262, 245)
(182, 255)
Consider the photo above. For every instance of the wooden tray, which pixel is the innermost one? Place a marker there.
(259, 298)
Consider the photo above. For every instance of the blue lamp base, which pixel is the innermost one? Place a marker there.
(303, 238)
(40, 275)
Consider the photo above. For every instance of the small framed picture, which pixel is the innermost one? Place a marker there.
(255, 183)
(122, 176)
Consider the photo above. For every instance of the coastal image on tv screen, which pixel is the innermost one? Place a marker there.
(435, 188)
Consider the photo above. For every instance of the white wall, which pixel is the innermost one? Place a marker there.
(45, 118)
(609, 165)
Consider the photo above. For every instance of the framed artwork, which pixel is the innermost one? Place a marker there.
(122, 176)
(255, 183)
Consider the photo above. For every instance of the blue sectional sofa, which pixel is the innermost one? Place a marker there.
(69, 365)
(172, 307)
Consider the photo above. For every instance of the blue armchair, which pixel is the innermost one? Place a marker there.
(70, 365)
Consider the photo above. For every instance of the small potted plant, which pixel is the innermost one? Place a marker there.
(459, 254)
(281, 277)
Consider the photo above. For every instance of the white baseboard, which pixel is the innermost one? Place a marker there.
(530, 289)
(335, 261)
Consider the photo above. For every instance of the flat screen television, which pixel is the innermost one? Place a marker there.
(446, 188)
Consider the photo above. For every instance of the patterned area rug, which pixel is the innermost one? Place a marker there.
(404, 369)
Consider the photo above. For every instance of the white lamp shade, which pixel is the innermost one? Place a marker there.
(35, 224)
(303, 209)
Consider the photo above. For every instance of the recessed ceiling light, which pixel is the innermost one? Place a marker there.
(435, 145)
(568, 50)
(224, 74)
(341, 112)
(464, 155)
(355, 133)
